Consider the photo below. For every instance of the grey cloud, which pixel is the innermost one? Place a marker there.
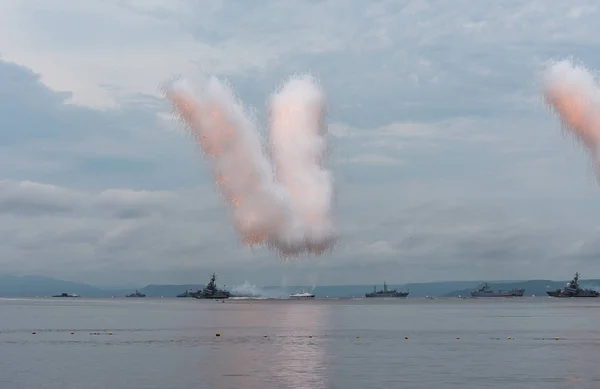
(410, 228)
(44, 139)
(446, 89)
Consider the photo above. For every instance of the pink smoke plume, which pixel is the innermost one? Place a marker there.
(287, 206)
(573, 93)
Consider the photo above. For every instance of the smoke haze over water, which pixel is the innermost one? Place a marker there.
(287, 206)
(573, 93)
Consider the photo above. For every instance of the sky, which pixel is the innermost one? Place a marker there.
(447, 164)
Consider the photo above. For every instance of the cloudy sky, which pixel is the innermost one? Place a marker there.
(447, 164)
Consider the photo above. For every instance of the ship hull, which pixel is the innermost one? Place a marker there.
(382, 295)
(511, 293)
(302, 297)
(215, 296)
(560, 294)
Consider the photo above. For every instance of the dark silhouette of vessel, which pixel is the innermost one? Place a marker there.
(66, 295)
(572, 289)
(187, 293)
(210, 291)
(484, 290)
(136, 294)
(386, 292)
(302, 296)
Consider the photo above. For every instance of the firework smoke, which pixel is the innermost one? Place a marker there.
(297, 142)
(574, 95)
(291, 215)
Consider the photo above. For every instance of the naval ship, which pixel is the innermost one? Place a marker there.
(187, 293)
(572, 289)
(211, 291)
(484, 290)
(66, 295)
(136, 294)
(386, 292)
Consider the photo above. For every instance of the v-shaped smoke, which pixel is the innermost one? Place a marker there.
(285, 205)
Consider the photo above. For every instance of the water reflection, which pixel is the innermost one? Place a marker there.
(283, 348)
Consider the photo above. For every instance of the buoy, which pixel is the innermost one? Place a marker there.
(110, 333)
(557, 338)
(72, 333)
(509, 338)
(457, 338)
(310, 336)
(217, 334)
(406, 337)
(34, 334)
(357, 337)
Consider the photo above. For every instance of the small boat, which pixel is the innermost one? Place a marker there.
(302, 296)
(66, 295)
(572, 289)
(136, 294)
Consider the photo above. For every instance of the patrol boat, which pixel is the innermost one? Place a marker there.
(66, 295)
(136, 294)
(572, 289)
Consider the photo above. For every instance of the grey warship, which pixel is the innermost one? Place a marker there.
(572, 289)
(211, 291)
(136, 294)
(187, 293)
(386, 292)
(484, 290)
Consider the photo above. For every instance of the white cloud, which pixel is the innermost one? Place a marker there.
(106, 51)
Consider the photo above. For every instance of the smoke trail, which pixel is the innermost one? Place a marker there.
(229, 138)
(265, 212)
(574, 95)
(298, 147)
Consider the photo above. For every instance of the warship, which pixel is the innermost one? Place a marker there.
(484, 290)
(187, 293)
(302, 296)
(572, 289)
(66, 295)
(211, 291)
(136, 294)
(386, 292)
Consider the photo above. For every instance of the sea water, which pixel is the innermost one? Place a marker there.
(148, 343)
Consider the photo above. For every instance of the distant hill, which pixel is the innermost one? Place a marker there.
(34, 286)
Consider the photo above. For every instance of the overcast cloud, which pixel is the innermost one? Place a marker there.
(447, 164)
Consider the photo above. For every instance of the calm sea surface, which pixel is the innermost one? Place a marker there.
(346, 344)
